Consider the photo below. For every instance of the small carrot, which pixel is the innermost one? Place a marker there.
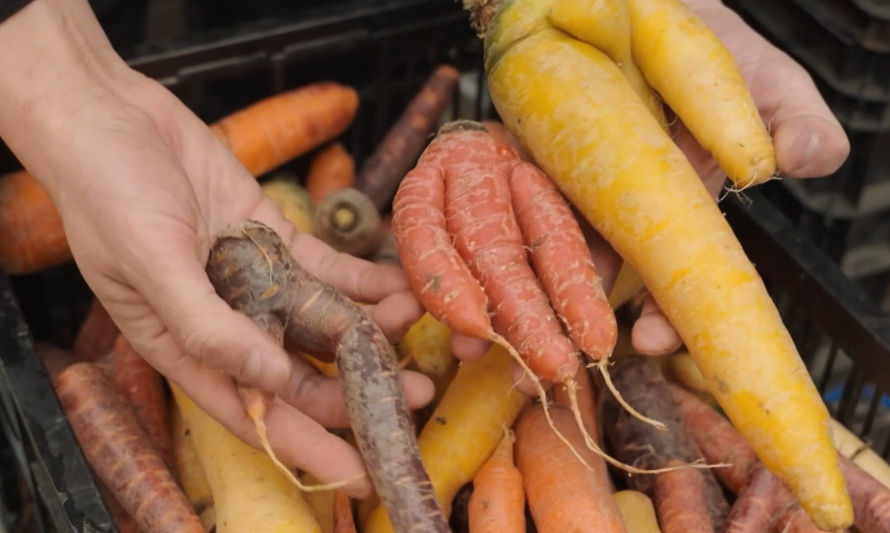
(96, 334)
(279, 128)
(497, 503)
(32, 237)
(348, 221)
(144, 388)
(344, 521)
(680, 500)
(120, 453)
(380, 175)
(252, 269)
(332, 169)
(562, 494)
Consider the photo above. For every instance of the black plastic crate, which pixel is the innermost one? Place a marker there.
(850, 23)
(384, 48)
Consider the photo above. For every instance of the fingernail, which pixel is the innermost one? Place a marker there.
(805, 147)
(252, 367)
(259, 364)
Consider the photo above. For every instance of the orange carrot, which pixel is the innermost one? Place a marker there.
(717, 439)
(332, 169)
(497, 503)
(344, 521)
(31, 234)
(871, 499)
(279, 128)
(562, 494)
(143, 386)
(380, 175)
(680, 501)
(96, 334)
(504, 135)
(480, 216)
(753, 510)
(122, 521)
(119, 451)
(563, 262)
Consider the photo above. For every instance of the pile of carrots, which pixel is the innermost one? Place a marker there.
(726, 435)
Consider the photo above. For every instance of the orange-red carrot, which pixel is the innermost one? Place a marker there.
(753, 510)
(123, 521)
(380, 175)
(563, 262)
(871, 499)
(332, 169)
(563, 495)
(119, 451)
(32, 237)
(143, 386)
(717, 439)
(680, 501)
(277, 129)
(479, 215)
(344, 520)
(497, 503)
(503, 134)
(96, 334)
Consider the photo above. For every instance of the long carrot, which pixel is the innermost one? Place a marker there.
(584, 125)
(96, 334)
(680, 500)
(31, 234)
(380, 174)
(753, 510)
(279, 128)
(332, 169)
(144, 388)
(120, 453)
(497, 503)
(122, 520)
(344, 522)
(562, 494)
(252, 269)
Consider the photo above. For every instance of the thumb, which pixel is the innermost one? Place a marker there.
(205, 326)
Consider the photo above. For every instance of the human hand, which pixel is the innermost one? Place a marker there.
(142, 186)
(808, 139)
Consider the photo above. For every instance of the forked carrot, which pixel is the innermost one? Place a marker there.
(332, 169)
(120, 453)
(497, 503)
(96, 334)
(500, 132)
(279, 128)
(380, 175)
(562, 494)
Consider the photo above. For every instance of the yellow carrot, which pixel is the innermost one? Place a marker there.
(464, 429)
(249, 492)
(697, 76)
(427, 343)
(580, 119)
(638, 512)
(189, 472)
(627, 285)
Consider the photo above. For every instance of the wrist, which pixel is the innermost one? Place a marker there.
(55, 59)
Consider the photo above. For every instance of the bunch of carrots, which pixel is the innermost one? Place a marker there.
(482, 223)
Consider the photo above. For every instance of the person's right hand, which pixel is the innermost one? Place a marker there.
(142, 186)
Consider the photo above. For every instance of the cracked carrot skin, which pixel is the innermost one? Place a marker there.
(563, 262)
(587, 129)
(120, 453)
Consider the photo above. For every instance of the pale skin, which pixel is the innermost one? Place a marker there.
(141, 185)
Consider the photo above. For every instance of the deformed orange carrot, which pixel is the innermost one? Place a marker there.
(562, 494)
(120, 453)
(332, 169)
(279, 128)
(497, 503)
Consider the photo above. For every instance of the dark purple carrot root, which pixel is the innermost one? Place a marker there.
(640, 444)
(253, 270)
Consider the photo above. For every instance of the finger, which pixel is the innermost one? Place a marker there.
(652, 334)
(173, 281)
(321, 398)
(396, 313)
(466, 348)
(809, 140)
(325, 455)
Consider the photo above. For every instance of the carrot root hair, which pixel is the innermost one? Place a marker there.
(603, 366)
